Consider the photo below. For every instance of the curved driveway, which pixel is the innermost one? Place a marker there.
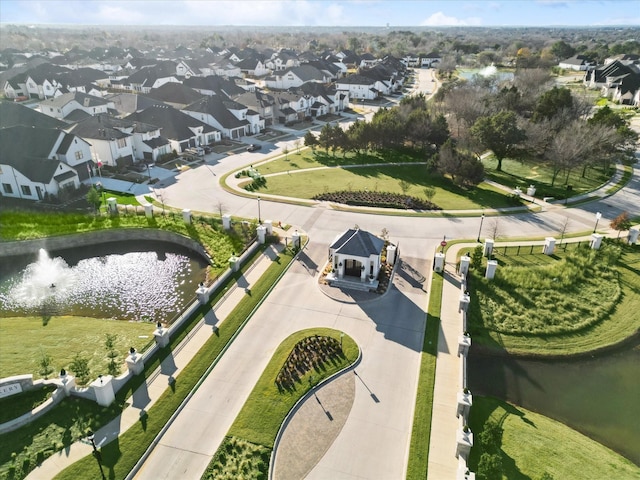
(374, 441)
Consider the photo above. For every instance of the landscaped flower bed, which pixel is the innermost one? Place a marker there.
(377, 199)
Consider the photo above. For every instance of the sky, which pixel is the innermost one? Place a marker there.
(398, 13)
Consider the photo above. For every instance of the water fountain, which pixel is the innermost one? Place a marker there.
(149, 285)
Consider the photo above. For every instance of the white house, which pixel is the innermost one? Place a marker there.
(295, 77)
(356, 254)
(62, 105)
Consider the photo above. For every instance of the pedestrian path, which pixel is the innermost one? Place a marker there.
(160, 380)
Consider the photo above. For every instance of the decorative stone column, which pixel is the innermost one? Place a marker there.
(391, 254)
(161, 335)
(531, 191)
(112, 205)
(596, 241)
(186, 216)
(465, 299)
(148, 210)
(549, 246)
(488, 247)
(67, 381)
(438, 262)
(295, 240)
(633, 235)
(492, 265)
(103, 388)
(465, 401)
(134, 362)
(465, 261)
(464, 342)
(226, 221)
(202, 293)
(262, 234)
(464, 442)
(268, 224)
(234, 263)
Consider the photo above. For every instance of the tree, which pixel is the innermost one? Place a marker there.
(490, 466)
(324, 139)
(45, 364)
(429, 193)
(463, 167)
(621, 223)
(310, 140)
(80, 366)
(112, 354)
(562, 50)
(552, 102)
(500, 134)
(93, 198)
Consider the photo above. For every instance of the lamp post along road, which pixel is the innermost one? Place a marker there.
(598, 217)
(96, 453)
(480, 230)
(259, 216)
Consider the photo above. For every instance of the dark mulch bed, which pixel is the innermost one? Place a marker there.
(377, 199)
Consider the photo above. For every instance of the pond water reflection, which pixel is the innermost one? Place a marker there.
(142, 281)
(598, 396)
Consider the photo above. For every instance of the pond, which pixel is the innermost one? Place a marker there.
(598, 396)
(125, 280)
(486, 72)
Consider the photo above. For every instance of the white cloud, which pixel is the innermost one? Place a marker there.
(439, 19)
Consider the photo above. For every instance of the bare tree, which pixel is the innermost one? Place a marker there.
(220, 206)
(494, 228)
(563, 228)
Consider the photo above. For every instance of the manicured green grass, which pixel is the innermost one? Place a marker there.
(119, 457)
(421, 432)
(319, 158)
(267, 406)
(612, 327)
(522, 174)
(23, 340)
(532, 445)
(255, 428)
(626, 176)
(307, 184)
(207, 230)
(122, 198)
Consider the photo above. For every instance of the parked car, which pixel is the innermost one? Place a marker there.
(195, 151)
(253, 147)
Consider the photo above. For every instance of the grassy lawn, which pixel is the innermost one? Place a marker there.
(310, 159)
(15, 405)
(522, 174)
(532, 445)
(421, 432)
(120, 456)
(569, 309)
(62, 338)
(246, 450)
(387, 179)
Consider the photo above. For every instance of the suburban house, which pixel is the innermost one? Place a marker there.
(430, 59)
(175, 94)
(38, 82)
(296, 76)
(260, 102)
(62, 106)
(82, 80)
(282, 60)
(214, 85)
(253, 66)
(227, 116)
(357, 254)
(37, 162)
(361, 87)
(618, 80)
(152, 77)
(182, 130)
(291, 106)
(325, 98)
(111, 146)
(12, 114)
(128, 103)
(577, 62)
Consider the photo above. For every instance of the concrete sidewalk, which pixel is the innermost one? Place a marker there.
(147, 394)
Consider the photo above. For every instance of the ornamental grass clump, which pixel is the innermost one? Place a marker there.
(567, 295)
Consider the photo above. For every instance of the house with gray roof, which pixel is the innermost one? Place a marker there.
(175, 94)
(182, 130)
(12, 114)
(36, 162)
(110, 145)
(62, 105)
(296, 76)
(227, 116)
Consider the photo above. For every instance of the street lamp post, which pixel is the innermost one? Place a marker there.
(96, 452)
(100, 188)
(259, 216)
(148, 170)
(598, 217)
(480, 231)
